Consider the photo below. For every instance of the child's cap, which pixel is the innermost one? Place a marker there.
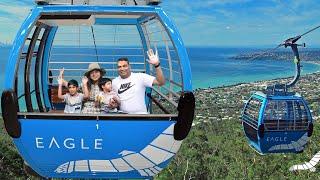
(73, 82)
(103, 81)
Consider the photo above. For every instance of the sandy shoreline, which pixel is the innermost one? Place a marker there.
(262, 82)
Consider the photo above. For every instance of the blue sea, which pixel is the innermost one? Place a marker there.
(212, 67)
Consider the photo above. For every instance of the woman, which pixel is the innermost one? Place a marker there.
(94, 74)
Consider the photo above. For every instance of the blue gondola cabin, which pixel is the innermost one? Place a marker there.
(277, 123)
(71, 35)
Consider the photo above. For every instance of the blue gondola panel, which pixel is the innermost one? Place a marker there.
(89, 148)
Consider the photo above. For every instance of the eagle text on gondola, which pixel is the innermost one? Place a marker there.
(277, 139)
(68, 143)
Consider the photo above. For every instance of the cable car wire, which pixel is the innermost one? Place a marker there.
(285, 43)
(310, 31)
(94, 42)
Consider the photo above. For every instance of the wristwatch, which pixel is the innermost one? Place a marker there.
(156, 66)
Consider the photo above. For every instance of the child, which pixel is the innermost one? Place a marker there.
(73, 99)
(107, 95)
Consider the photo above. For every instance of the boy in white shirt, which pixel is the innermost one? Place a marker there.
(73, 99)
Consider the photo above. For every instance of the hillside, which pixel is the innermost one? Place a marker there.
(216, 148)
(11, 164)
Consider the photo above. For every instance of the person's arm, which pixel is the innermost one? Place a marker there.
(61, 76)
(114, 102)
(65, 83)
(116, 99)
(85, 88)
(60, 82)
(160, 80)
(154, 60)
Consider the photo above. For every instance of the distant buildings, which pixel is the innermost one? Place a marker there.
(305, 55)
(226, 103)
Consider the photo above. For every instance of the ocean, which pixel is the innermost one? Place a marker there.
(212, 67)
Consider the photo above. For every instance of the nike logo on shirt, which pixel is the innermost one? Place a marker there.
(124, 87)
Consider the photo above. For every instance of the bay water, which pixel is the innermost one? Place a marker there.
(213, 67)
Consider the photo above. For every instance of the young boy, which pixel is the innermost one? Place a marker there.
(73, 99)
(107, 96)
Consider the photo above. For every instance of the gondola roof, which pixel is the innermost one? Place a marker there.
(98, 2)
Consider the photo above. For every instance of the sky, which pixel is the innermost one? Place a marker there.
(213, 22)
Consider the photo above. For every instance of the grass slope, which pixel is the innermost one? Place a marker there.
(220, 151)
(216, 147)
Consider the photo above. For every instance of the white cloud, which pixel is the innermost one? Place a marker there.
(12, 14)
(15, 10)
(224, 2)
(219, 21)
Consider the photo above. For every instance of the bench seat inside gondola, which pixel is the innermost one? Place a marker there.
(275, 125)
(56, 111)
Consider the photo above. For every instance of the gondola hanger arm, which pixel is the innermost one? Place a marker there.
(286, 43)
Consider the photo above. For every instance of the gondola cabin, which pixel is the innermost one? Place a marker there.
(71, 35)
(277, 123)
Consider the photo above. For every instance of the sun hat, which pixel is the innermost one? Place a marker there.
(94, 66)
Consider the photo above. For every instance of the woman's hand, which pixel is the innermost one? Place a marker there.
(84, 80)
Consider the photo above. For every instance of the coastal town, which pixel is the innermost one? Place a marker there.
(217, 147)
(226, 103)
(308, 54)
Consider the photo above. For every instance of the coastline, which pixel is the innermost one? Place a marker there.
(306, 54)
(317, 63)
(226, 102)
(229, 100)
(313, 62)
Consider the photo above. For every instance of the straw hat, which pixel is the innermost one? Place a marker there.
(94, 66)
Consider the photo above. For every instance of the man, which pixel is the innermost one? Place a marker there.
(131, 86)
